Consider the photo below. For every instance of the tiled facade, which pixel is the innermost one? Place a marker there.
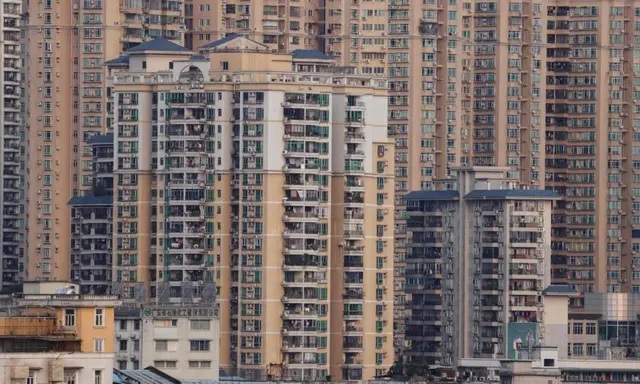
(308, 182)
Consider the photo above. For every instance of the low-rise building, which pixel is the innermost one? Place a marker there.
(613, 359)
(182, 341)
(128, 338)
(51, 334)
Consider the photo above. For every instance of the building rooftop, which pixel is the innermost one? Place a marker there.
(101, 139)
(91, 200)
(118, 61)
(149, 375)
(159, 44)
(559, 289)
(309, 54)
(512, 194)
(219, 42)
(432, 195)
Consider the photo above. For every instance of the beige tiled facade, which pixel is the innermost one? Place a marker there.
(271, 176)
(68, 43)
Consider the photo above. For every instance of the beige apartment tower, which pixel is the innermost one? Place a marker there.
(271, 176)
(68, 42)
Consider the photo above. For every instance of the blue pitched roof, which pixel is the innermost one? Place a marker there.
(560, 289)
(505, 194)
(432, 195)
(217, 43)
(197, 57)
(92, 200)
(149, 375)
(101, 139)
(159, 44)
(309, 54)
(122, 60)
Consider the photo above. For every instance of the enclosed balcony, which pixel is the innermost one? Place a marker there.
(306, 131)
(301, 181)
(353, 278)
(301, 197)
(303, 262)
(187, 147)
(298, 295)
(352, 342)
(354, 184)
(299, 326)
(301, 246)
(354, 152)
(296, 311)
(303, 279)
(300, 230)
(301, 214)
(299, 343)
(353, 247)
(353, 199)
(356, 294)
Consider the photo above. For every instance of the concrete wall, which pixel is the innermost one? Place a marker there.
(56, 367)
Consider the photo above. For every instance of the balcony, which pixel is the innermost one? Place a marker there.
(353, 294)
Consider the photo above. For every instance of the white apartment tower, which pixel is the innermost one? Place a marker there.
(478, 262)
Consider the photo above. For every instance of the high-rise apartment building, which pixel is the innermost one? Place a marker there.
(68, 43)
(271, 175)
(477, 265)
(546, 88)
(282, 25)
(91, 225)
(11, 107)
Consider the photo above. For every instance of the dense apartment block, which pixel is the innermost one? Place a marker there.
(478, 262)
(91, 225)
(67, 43)
(270, 175)
(281, 25)
(11, 119)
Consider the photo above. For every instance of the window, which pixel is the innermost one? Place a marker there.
(99, 317)
(200, 345)
(123, 325)
(591, 328)
(577, 328)
(123, 345)
(199, 364)
(97, 377)
(171, 323)
(165, 363)
(70, 377)
(162, 345)
(577, 349)
(122, 364)
(200, 325)
(32, 378)
(69, 317)
(98, 345)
